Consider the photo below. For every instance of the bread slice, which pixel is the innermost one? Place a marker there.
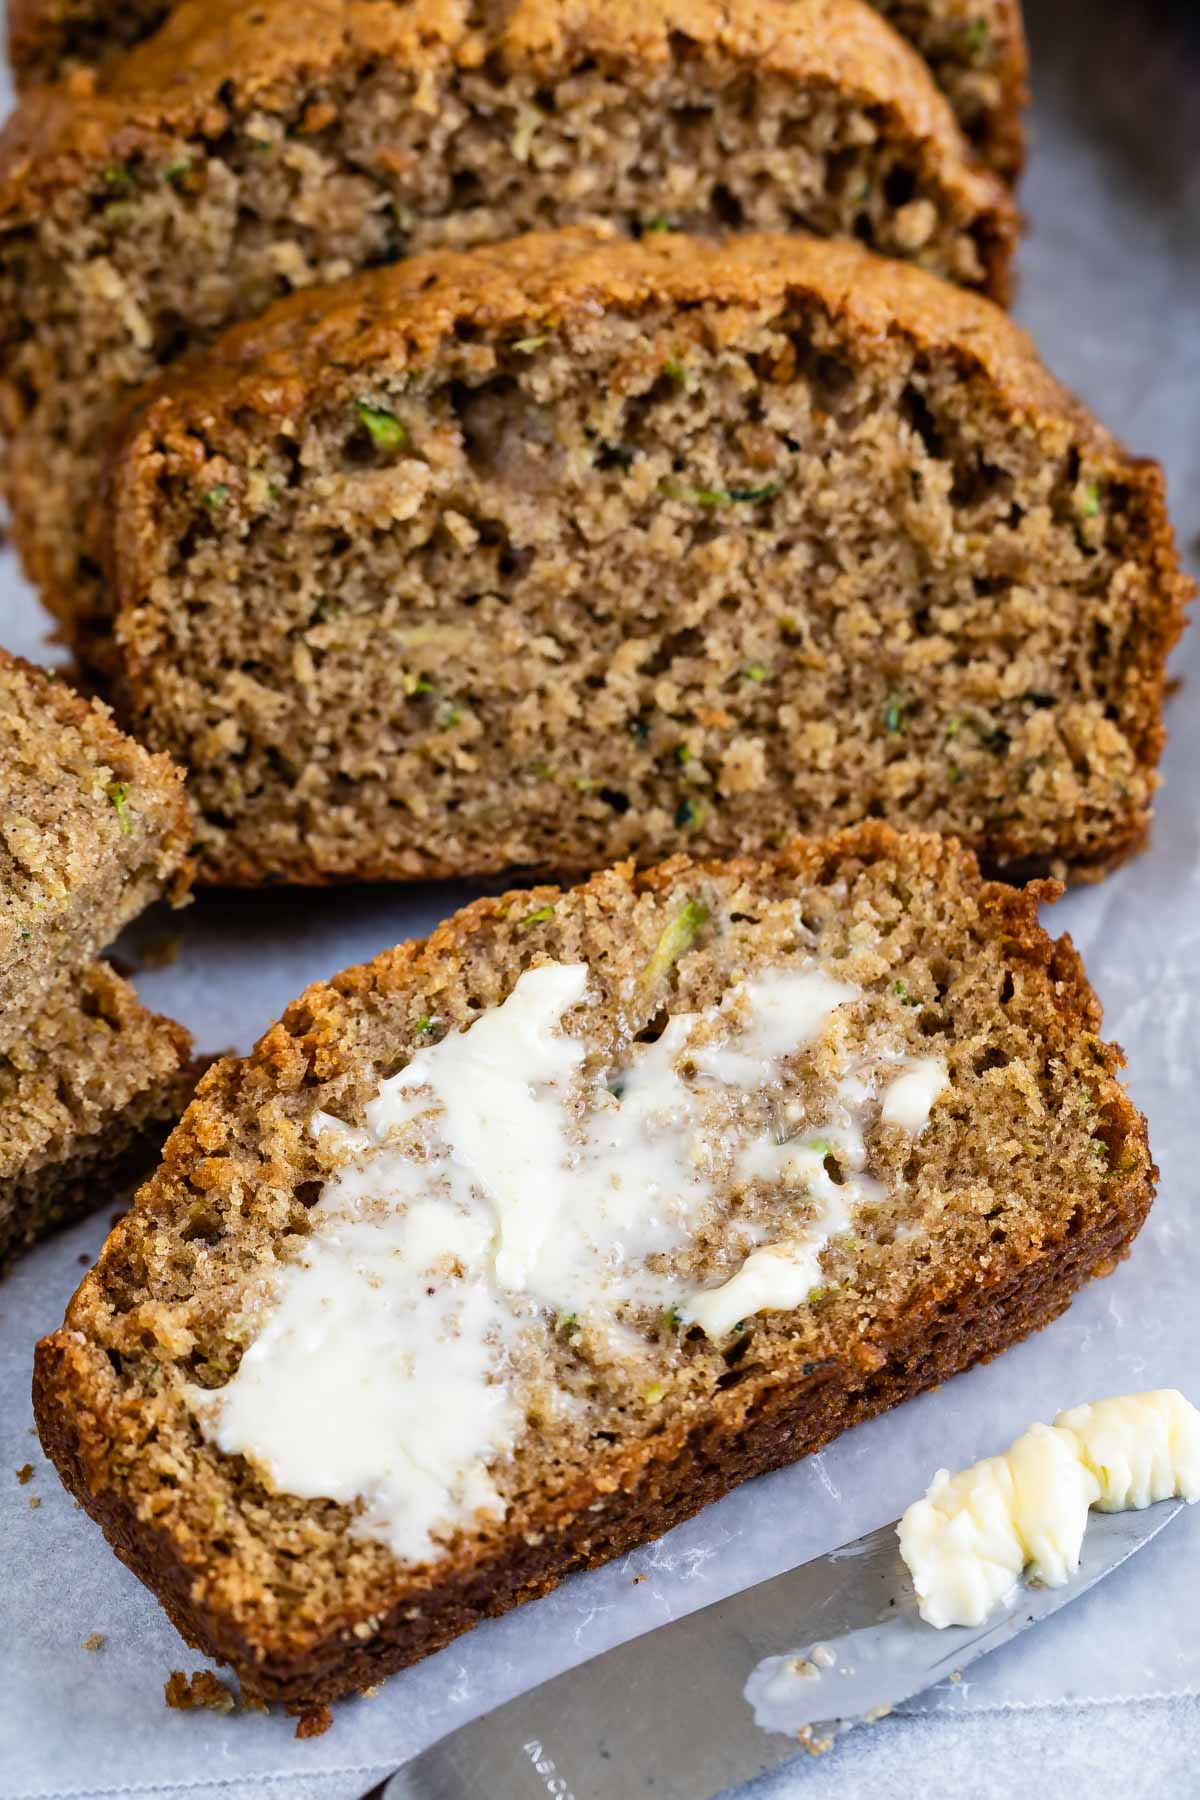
(248, 151)
(92, 829)
(975, 48)
(978, 55)
(87, 1097)
(563, 551)
(1031, 1174)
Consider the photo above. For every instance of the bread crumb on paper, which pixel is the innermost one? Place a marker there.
(187, 1693)
(314, 1721)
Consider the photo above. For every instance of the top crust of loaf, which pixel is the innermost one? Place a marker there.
(1011, 1009)
(215, 59)
(309, 342)
(107, 828)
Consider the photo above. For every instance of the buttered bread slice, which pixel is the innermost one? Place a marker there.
(562, 551)
(505, 1252)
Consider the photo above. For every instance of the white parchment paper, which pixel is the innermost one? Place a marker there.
(1111, 288)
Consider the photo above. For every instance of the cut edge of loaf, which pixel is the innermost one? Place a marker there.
(138, 1085)
(767, 1419)
(880, 156)
(147, 859)
(986, 82)
(200, 423)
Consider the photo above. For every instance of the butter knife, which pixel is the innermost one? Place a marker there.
(707, 1703)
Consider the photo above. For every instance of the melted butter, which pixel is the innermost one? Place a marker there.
(498, 1186)
(374, 1374)
(908, 1099)
(774, 1278)
(969, 1540)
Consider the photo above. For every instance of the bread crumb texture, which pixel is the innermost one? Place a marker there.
(92, 829)
(552, 553)
(975, 48)
(245, 152)
(86, 1098)
(1032, 1172)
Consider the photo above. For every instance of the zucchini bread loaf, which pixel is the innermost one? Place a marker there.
(247, 151)
(975, 48)
(603, 1200)
(87, 1096)
(556, 552)
(92, 829)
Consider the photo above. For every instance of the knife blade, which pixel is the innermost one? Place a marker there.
(710, 1701)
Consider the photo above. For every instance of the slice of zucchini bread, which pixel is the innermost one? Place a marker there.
(976, 50)
(247, 151)
(92, 829)
(87, 1096)
(978, 55)
(561, 551)
(606, 1199)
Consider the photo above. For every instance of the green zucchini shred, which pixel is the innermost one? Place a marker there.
(385, 429)
(535, 918)
(675, 939)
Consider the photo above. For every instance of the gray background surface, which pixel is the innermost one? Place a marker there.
(1105, 1696)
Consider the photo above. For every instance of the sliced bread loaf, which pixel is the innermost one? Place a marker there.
(975, 48)
(605, 1200)
(87, 1096)
(247, 151)
(562, 551)
(92, 829)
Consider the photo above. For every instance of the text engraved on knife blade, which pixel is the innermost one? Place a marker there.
(547, 1768)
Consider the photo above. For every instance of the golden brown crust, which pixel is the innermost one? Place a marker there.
(305, 344)
(302, 354)
(779, 1408)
